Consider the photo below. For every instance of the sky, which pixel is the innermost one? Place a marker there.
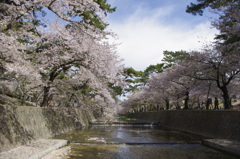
(146, 28)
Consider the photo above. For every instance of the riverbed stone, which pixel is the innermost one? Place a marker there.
(35, 150)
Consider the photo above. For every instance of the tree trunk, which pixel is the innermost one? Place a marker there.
(167, 104)
(45, 100)
(226, 98)
(186, 100)
(208, 92)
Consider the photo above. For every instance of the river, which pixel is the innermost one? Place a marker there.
(137, 142)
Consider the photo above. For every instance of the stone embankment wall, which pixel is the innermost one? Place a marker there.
(22, 125)
(212, 124)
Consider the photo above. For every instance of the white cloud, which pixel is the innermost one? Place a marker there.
(145, 34)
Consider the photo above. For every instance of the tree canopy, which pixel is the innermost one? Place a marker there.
(55, 53)
(198, 8)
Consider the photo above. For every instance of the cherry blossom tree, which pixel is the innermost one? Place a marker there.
(211, 66)
(173, 85)
(160, 88)
(220, 63)
(135, 102)
(70, 51)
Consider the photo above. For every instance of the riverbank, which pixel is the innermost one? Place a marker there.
(221, 127)
(224, 124)
(229, 146)
(25, 125)
(35, 150)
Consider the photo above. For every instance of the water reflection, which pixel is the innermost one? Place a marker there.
(126, 142)
(120, 134)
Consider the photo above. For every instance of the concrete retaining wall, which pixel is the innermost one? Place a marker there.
(212, 124)
(22, 125)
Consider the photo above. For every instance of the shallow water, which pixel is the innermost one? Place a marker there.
(137, 142)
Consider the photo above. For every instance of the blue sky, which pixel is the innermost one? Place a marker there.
(146, 28)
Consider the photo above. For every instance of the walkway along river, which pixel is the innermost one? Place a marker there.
(137, 142)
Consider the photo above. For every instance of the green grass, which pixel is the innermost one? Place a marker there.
(123, 118)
